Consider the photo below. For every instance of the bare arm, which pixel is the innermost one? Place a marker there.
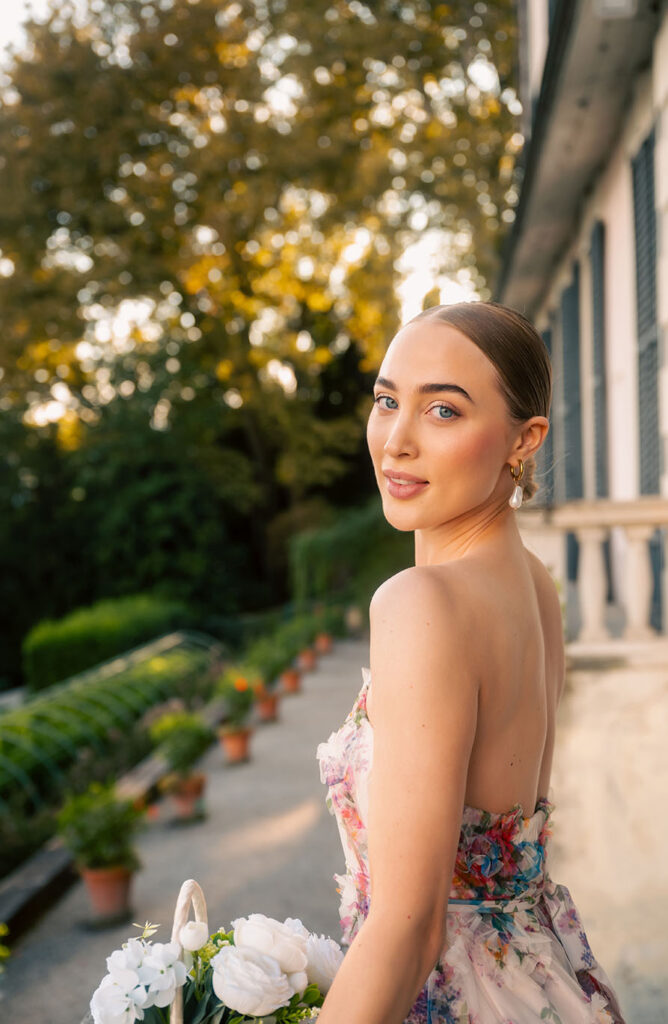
(425, 699)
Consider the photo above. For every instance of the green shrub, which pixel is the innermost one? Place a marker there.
(182, 737)
(55, 650)
(349, 558)
(268, 657)
(98, 828)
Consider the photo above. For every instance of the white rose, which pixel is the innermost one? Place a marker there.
(286, 941)
(116, 1003)
(194, 935)
(324, 959)
(249, 981)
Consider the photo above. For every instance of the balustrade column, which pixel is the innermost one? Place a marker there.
(639, 583)
(592, 583)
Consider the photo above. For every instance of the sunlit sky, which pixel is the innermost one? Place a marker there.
(419, 263)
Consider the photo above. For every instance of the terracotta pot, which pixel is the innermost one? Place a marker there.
(187, 796)
(267, 707)
(291, 680)
(307, 659)
(108, 890)
(323, 643)
(235, 744)
(153, 811)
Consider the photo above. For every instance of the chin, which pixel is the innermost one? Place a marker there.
(404, 520)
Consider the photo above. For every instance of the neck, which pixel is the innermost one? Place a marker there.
(493, 527)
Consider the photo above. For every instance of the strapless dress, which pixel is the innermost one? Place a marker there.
(516, 949)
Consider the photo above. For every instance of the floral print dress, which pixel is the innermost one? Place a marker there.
(516, 950)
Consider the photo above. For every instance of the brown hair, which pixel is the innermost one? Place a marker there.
(511, 342)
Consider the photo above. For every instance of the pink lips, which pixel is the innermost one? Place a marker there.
(414, 485)
(404, 476)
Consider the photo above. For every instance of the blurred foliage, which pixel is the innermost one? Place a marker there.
(84, 731)
(98, 828)
(55, 650)
(203, 207)
(182, 736)
(350, 557)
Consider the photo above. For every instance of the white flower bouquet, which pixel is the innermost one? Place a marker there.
(262, 971)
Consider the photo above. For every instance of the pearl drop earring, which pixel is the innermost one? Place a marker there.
(515, 499)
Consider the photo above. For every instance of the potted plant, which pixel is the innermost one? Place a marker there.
(182, 737)
(235, 732)
(268, 657)
(98, 828)
(293, 639)
(266, 700)
(331, 623)
(305, 629)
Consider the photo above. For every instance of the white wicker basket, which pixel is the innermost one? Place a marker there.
(191, 892)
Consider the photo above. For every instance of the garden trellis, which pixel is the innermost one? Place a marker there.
(40, 740)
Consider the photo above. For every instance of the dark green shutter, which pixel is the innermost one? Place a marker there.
(572, 407)
(647, 330)
(600, 385)
(644, 217)
(545, 457)
(598, 324)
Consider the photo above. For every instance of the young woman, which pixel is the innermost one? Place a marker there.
(439, 776)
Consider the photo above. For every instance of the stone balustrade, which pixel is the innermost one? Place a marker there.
(627, 526)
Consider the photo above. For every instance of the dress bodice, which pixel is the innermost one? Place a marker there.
(501, 856)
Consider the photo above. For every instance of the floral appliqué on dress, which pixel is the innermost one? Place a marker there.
(516, 949)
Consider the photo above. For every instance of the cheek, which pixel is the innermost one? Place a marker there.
(479, 448)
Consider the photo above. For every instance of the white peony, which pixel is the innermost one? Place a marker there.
(118, 999)
(249, 981)
(285, 941)
(324, 959)
(194, 935)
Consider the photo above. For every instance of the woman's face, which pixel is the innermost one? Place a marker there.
(456, 436)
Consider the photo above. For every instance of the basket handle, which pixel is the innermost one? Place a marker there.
(190, 892)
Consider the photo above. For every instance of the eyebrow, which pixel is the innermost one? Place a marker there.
(426, 389)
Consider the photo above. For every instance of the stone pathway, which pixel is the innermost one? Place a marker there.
(270, 845)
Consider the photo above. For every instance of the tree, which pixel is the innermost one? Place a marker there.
(203, 206)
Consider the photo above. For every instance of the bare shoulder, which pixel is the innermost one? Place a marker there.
(420, 610)
(411, 594)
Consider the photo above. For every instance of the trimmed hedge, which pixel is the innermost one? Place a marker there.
(54, 650)
(350, 558)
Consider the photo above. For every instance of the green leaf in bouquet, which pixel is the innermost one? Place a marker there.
(312, 996)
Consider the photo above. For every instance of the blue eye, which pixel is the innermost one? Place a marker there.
(447, 409)
(378, 398)
(453, 414)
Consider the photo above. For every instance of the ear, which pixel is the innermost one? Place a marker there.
(531, 437)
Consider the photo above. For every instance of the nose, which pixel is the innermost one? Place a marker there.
(399, 440)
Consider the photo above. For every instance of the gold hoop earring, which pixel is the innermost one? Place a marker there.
(516, 497)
